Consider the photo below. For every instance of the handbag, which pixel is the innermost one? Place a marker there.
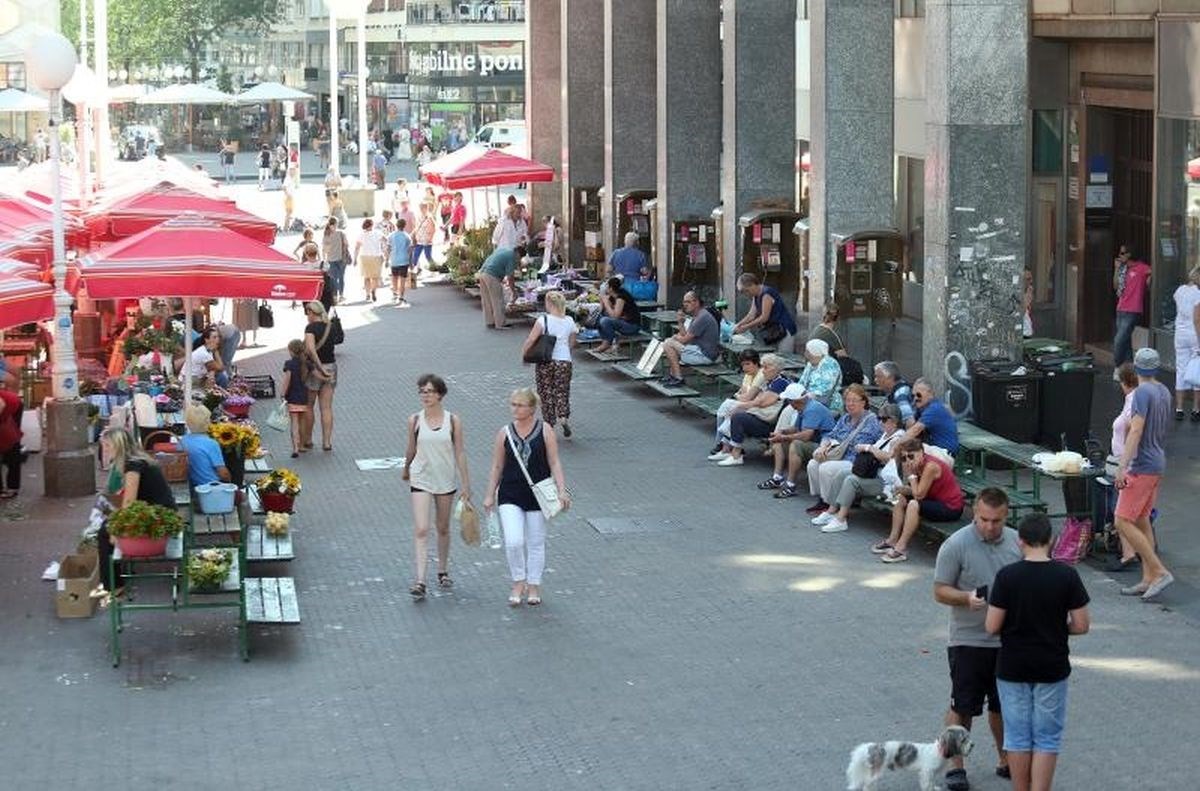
(545, 491)
(336, 334)
(1074, 542)
(838, 451)
(266, 316)
(542, 350)
(867, 465)
(772, 333)
(279, 418)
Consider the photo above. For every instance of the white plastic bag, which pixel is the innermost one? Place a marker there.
(493, 530)
(278, 418)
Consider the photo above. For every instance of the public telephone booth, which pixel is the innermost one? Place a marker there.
(587, 227)
(632, 212)
(868, 289)
(695, 263)
(768, 250)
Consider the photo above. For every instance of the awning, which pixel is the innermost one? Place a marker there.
(186, 93)
(478, 166)
(139, 212)
(271, 92)
(23, 300)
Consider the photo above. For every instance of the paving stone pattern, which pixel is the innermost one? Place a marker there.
(693, 635)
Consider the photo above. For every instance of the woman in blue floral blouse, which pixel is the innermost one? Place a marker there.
(822, 376)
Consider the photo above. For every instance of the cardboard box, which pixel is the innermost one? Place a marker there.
(78, 575)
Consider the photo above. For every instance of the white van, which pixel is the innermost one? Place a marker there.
(502, 134)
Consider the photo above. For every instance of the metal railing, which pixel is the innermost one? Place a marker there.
(448, 12)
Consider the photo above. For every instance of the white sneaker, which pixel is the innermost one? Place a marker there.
(835, 525)
(822, 518)
(718, 456)
(731, 461)
(1116, 376)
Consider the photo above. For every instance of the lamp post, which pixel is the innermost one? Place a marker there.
(68, 469)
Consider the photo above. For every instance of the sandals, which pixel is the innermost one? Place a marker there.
(514, 601)
(881, 548)
(417, 591)
(444, 580)
(785, 492)
(770, 483)
(893, 555)
(533, 601)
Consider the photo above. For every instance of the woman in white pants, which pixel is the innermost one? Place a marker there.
(509, 492)
(857, 427)
(1187, 329)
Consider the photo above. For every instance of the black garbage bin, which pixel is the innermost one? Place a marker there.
(1007, 398)
(1066, 400)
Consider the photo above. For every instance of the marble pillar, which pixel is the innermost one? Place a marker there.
(851, 186)
(543, 101)
(630, 126)
(975, 182)
(582, 78)
(759, 118)
(688, 92)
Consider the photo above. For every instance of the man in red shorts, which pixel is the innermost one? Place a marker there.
(1143, 462)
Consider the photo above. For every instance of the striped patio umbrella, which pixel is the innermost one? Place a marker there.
(23, 301)
(136, 213)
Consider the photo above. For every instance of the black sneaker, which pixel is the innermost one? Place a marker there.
(672, 381)
(769, 483)
(1179, 414)
(1116, 565)
(817, 507)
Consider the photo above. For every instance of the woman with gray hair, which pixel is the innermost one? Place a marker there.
(822, 376)
(862, 479)
(1187, 350)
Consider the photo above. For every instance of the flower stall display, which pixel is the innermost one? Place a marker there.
(238, 441)
(237, 405)
(141, 529)
(278, 489)
(208, 568)
(276, 523)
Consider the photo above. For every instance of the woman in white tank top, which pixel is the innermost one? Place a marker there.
(436, 452)
(554, 377)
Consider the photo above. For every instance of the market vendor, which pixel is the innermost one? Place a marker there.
(206, 462)
(206, 358)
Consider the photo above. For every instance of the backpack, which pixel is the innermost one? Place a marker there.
(852, 370)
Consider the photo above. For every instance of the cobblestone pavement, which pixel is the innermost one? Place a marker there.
(707, 641)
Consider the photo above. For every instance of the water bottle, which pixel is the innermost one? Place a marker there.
(493, 530)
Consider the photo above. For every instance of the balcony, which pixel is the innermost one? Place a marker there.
(449, 12)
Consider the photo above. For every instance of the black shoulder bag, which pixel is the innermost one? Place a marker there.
(542, 350)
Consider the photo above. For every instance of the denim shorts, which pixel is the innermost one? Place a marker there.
(1034, 715)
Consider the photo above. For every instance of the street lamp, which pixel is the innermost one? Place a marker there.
(68, 466)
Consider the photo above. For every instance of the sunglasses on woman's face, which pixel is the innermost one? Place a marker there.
(909, 456)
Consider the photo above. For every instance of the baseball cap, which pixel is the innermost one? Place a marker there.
(793, 391)
(1145, 361)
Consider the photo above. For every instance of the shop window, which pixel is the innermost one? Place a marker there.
(910, 215)
(1047, 141)
(1177, 231)
(909, 8)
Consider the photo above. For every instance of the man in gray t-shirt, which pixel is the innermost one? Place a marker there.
(697, 343)
(1143, 462)
(966, 565)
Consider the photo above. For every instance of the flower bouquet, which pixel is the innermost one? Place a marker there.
(276, 523)
(278, 490)
(141, 529)
(208, 568)
(242, 439)
(237, 405)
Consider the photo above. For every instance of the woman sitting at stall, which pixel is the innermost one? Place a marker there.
(822, 376)
(133, 475)
(930, 491)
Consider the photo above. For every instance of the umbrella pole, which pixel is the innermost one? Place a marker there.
(187, 349)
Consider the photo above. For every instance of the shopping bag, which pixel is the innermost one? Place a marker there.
(1074, 541)
(279, 419)
(468, 522)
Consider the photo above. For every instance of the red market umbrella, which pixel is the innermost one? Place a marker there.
(192, 256)
(11, 267)
(476, 166)
(137, 213)
(23, 301)
(35, 220)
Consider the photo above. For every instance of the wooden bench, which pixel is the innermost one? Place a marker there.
(629, 368)
(681, 392)
(261, 546)
(271, 600)
(704, 404)
(936, 532)
(615, 354)
(1017, 500)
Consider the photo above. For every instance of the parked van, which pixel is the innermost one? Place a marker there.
(502, 134)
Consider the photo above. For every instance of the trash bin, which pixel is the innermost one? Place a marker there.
(1066, 400)
(1006, 397)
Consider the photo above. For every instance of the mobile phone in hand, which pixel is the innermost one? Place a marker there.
(982, 592)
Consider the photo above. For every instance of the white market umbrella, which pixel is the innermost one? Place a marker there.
(271, 92)
(15, 101)
(189, 94)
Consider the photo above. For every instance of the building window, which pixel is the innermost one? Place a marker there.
(1177, 229)
(909, 8)
(1047, 142)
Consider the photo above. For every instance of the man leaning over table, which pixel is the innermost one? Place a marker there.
(497, 271)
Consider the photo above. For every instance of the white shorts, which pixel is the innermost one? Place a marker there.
(691, 354)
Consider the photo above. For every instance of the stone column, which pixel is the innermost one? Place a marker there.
(689, 120)
(630, 124)
(975, 181)
(543, 101)
(851, 187)
(582, 78)
(759, 116)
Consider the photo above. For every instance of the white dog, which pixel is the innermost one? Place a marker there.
(868, 760)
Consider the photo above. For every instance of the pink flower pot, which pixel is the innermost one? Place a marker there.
(141, 547)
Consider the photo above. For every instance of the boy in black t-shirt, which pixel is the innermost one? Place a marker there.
(1035, 605)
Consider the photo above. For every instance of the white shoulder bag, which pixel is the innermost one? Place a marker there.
(545, 491)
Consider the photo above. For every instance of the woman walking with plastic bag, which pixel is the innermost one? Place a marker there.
(436, 450)
(524, 456)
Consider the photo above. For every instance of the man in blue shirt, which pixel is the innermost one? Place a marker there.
(933, 423)
(812, 422)
(400, 245)
(898, 391)
(629, 262)
(206, 463)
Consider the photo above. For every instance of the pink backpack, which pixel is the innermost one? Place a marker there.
(1074, 541)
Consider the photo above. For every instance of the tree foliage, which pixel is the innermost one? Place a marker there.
(154, 32)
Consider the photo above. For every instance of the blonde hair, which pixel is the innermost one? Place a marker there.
(197, 417)
(525, 395)
(1193, 275)
(317, 309)
(295, 347)
(124, 447)
(556, 299)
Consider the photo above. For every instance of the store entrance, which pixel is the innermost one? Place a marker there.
(1120, 143)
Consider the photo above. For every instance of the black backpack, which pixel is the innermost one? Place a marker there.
(852, 371)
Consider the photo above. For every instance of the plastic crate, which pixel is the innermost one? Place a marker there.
(261, 386)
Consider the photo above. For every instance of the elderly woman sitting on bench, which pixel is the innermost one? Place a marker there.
(752, 382)
(754, 418)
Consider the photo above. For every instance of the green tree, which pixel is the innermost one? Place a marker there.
(224, 80)
(152, 32)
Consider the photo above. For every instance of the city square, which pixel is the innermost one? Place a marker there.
(694, 628)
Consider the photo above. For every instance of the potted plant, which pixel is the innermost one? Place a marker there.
(208, 568)
(278, 489)
(141, 530)
(237, 405)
